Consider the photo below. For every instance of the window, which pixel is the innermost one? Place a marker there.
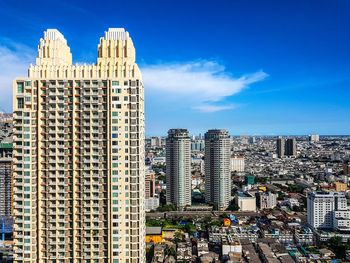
(20, 88)
(20, 103)
(115, 83)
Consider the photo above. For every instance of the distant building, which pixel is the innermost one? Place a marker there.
(251, 140)
(286, 147)
(244, 139)
(202, 247)
(291, 202)
(290, 147)
(314, 138)
(157, 142)
(197, 145)
(340, 187)
(159, 254)
(266, 200)
(231, 245)
(178, 168)
(184, 252)
(150, 184)
(249, 179)
(304, 236)
(151, 199)
(280, 147)
(245, 201)
(217, 168)
(154, 234)
(6, 181)
(346, 168)
(237, 164)
(328, 210)
(151, 203)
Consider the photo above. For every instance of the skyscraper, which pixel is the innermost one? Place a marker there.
(286, 147)
(178, 168)
(280, 147)
(314, 138)
(79, 155)
(6, 181)
(217, 168)
(290, 147)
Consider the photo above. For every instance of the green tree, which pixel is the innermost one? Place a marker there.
(167, 207)
(339, 248)
(178, 237)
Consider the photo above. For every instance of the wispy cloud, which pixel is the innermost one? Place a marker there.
(214, 108)
(14, 61)
(204, 85)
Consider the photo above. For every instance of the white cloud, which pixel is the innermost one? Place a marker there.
(203, 84)
(214, 108)
(200, 85)
(14, 62)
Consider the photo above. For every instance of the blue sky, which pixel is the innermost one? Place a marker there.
(253, 67)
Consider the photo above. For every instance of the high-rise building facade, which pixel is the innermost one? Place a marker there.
(280, 147)
(178, 168)
(197, 145)
(217, 168)
(290, 147)
(286, 147)
(328, 210)
(6, 182)
(314, 138)
(79, 155)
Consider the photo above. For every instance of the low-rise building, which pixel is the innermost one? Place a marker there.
(283, 236)
(246, 201)
(159, 255)
(231, 244)
(151, 203)
(266, 200)
(340, 187)
(237, 164)
(304, 236)
(266, 254)
(154, 234)
(250, 254)
(184, 251)
(202, 247)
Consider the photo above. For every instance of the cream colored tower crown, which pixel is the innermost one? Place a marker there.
(79, 155)
(53, 49)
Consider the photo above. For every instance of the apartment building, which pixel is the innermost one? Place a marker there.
(217, 168)
(78, 157)
(178, 168)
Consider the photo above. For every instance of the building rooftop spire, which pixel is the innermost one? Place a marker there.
(116, 34)
(53, 49)
(54, 34)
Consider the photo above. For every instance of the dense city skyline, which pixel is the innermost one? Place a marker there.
(278, 68)
(174, 131)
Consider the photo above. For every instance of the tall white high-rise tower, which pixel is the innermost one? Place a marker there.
(79, 155)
